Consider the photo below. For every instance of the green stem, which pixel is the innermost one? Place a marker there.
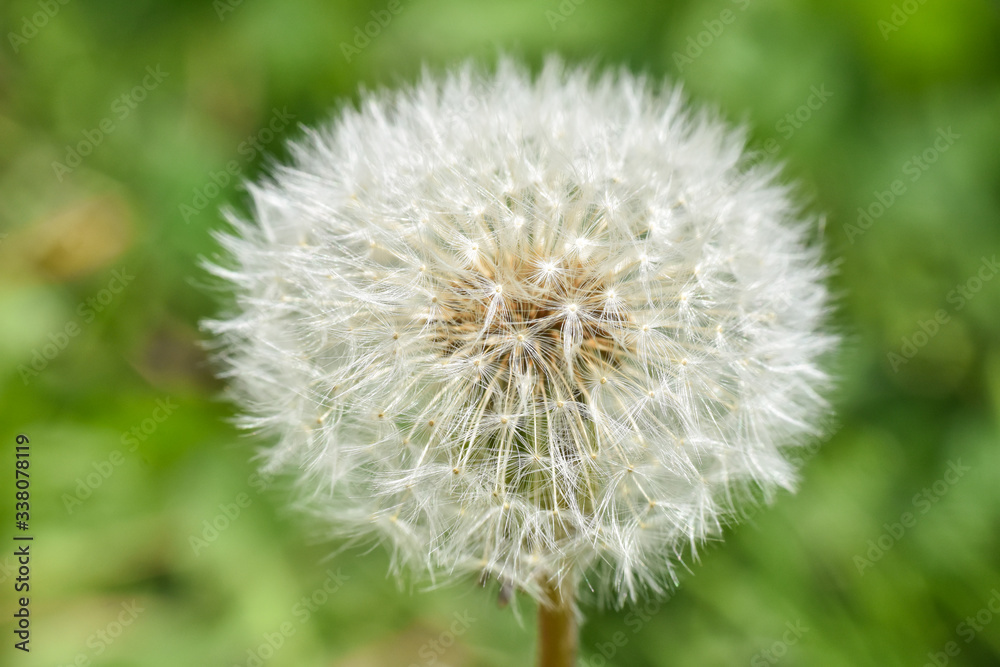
(557, 628)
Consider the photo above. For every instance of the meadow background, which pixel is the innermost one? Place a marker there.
(122, 124)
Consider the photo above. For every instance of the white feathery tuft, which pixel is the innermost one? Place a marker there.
(528, 328)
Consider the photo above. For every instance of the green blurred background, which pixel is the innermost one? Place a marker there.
(117, 123)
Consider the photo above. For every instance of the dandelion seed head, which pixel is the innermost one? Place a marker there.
(527, 327)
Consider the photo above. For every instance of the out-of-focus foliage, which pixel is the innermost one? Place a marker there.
(125, 126)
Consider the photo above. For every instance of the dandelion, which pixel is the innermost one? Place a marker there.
(538, 330)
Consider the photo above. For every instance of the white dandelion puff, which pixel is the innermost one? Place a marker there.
(532, 328)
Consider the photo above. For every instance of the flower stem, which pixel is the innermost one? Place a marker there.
(557, 628)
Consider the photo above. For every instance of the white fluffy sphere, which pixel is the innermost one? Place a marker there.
(527, 327)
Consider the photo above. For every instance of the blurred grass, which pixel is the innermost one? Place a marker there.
(63, 235)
